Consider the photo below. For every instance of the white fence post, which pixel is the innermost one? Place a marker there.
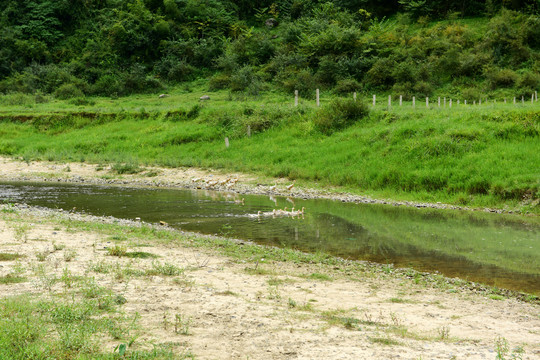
(514, 100)
(354, 96)
(413, 102)
(427, 102)
(389, 100)
(480, 101)
(317, 96)
(374, 99)
(400, 100)
(465, 102)
(226, 142)
(439, 101)
(522, 99)
(536, 95)
(458, 102)
(295, 97)
(249, 131)
(450, 103)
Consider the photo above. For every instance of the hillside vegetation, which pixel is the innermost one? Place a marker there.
(73, 78)
(406, 47)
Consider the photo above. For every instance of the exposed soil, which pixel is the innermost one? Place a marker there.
(276, 310)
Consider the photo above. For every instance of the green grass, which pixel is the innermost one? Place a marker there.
(10, 257)
(12, 279)
(477, 156)
(33, 328)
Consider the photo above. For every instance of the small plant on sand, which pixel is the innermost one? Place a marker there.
(42, 255)
(45, 280)
(444, 333)
(21, 232)
(165, 269)
(69, 255)
(182, 324)
(58, 247)
(503, 350)
(292, 303)
(117, 250)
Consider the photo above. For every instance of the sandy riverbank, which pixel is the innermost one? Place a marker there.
(251, 307)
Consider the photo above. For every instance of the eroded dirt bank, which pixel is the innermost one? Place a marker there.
(238, 307)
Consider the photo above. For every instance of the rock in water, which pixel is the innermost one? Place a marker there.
(205, 97)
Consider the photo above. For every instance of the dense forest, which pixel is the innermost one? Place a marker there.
(411, 47)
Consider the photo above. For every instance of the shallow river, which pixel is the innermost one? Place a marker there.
(500, 250)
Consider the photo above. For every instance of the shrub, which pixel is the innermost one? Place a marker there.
(339, 115)
(177, 70)
(246, 79)
(16, 99)
(498, 78)
(108, 85)
(529, 81)
(219, 81)
(303, 81)
(380, 74)
(68, 91)
(347, 86)
(471, 94)
(423, 89)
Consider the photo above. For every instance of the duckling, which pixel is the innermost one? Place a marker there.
(289, 187)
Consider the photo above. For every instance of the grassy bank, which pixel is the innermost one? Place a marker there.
(468, 155)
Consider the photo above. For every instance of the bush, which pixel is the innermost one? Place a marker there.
(246, 79)
(303, 81)
(529, 81)
(68, 91)
(219, 81)
(471, 94)
(339, 115)
(423, 89)
(498, 78)
(16, 99)
(108, 85)
(347, 86)
(380, 74)
(175, 70)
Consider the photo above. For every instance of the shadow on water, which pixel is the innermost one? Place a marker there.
(499, 250)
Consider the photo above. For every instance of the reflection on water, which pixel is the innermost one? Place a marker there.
(495, 249)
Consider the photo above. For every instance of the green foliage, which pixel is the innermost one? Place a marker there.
(68, 91)
(339, 115)
(117, 48)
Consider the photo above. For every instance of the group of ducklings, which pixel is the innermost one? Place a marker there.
(279, 213)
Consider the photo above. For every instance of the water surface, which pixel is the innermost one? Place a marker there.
(500, 250)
